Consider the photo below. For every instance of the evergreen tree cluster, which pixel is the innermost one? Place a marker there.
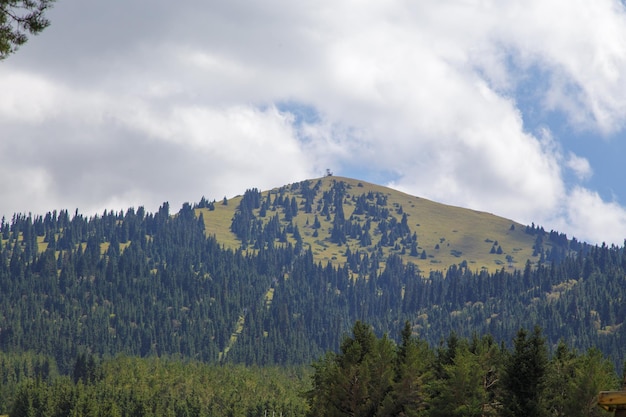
(130, 386)
(374, 377)
(576, 300)
(254, 232)
(129, 282)
(153, 284)
(368, 376)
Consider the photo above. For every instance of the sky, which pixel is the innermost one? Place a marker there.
(517, 108)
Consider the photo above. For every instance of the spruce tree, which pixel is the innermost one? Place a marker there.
(523, 379)
(409, 396)
(355, 381)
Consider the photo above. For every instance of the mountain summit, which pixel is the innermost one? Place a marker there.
(278, 277)
(339, 218)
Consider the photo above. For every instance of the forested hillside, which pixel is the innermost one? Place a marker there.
(147, 284)
(131, 386)
(336, 217)
(368, 376)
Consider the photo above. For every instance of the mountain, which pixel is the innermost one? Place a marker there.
(279, 277)
(333, 213)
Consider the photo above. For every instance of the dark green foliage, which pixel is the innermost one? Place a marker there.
(366, 239)
(16, 368)
(316, 223)
(408, 395)
(572, 382)
(368, 376)
(204, 203)
(162, 387)
(18, 19)
(85, 369)
(152, 284)
(357, 380)
(523, 378)
(467, 377)
(244, 222)
(372, 204)
(460, 390)
(168, 290)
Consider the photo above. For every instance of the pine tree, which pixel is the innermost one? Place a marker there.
(408, 396)
(523, 379)
(356, 380)
(18, 19)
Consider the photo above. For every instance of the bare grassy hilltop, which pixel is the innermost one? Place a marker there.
(333, 214)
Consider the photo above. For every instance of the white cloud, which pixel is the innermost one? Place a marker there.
(180, 101)
(18, 91)
(591, 219)
(109, 148)
(581, 45)
(580, 166)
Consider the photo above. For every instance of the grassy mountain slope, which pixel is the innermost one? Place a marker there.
(146, 284)
(446, 235)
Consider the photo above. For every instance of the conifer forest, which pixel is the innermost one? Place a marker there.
(134, 313)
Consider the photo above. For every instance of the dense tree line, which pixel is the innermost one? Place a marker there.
(369, 376)
(154, 284)
(130, 386)
(374, 377)
(129, 282)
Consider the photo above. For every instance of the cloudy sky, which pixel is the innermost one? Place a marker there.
(517, 108)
